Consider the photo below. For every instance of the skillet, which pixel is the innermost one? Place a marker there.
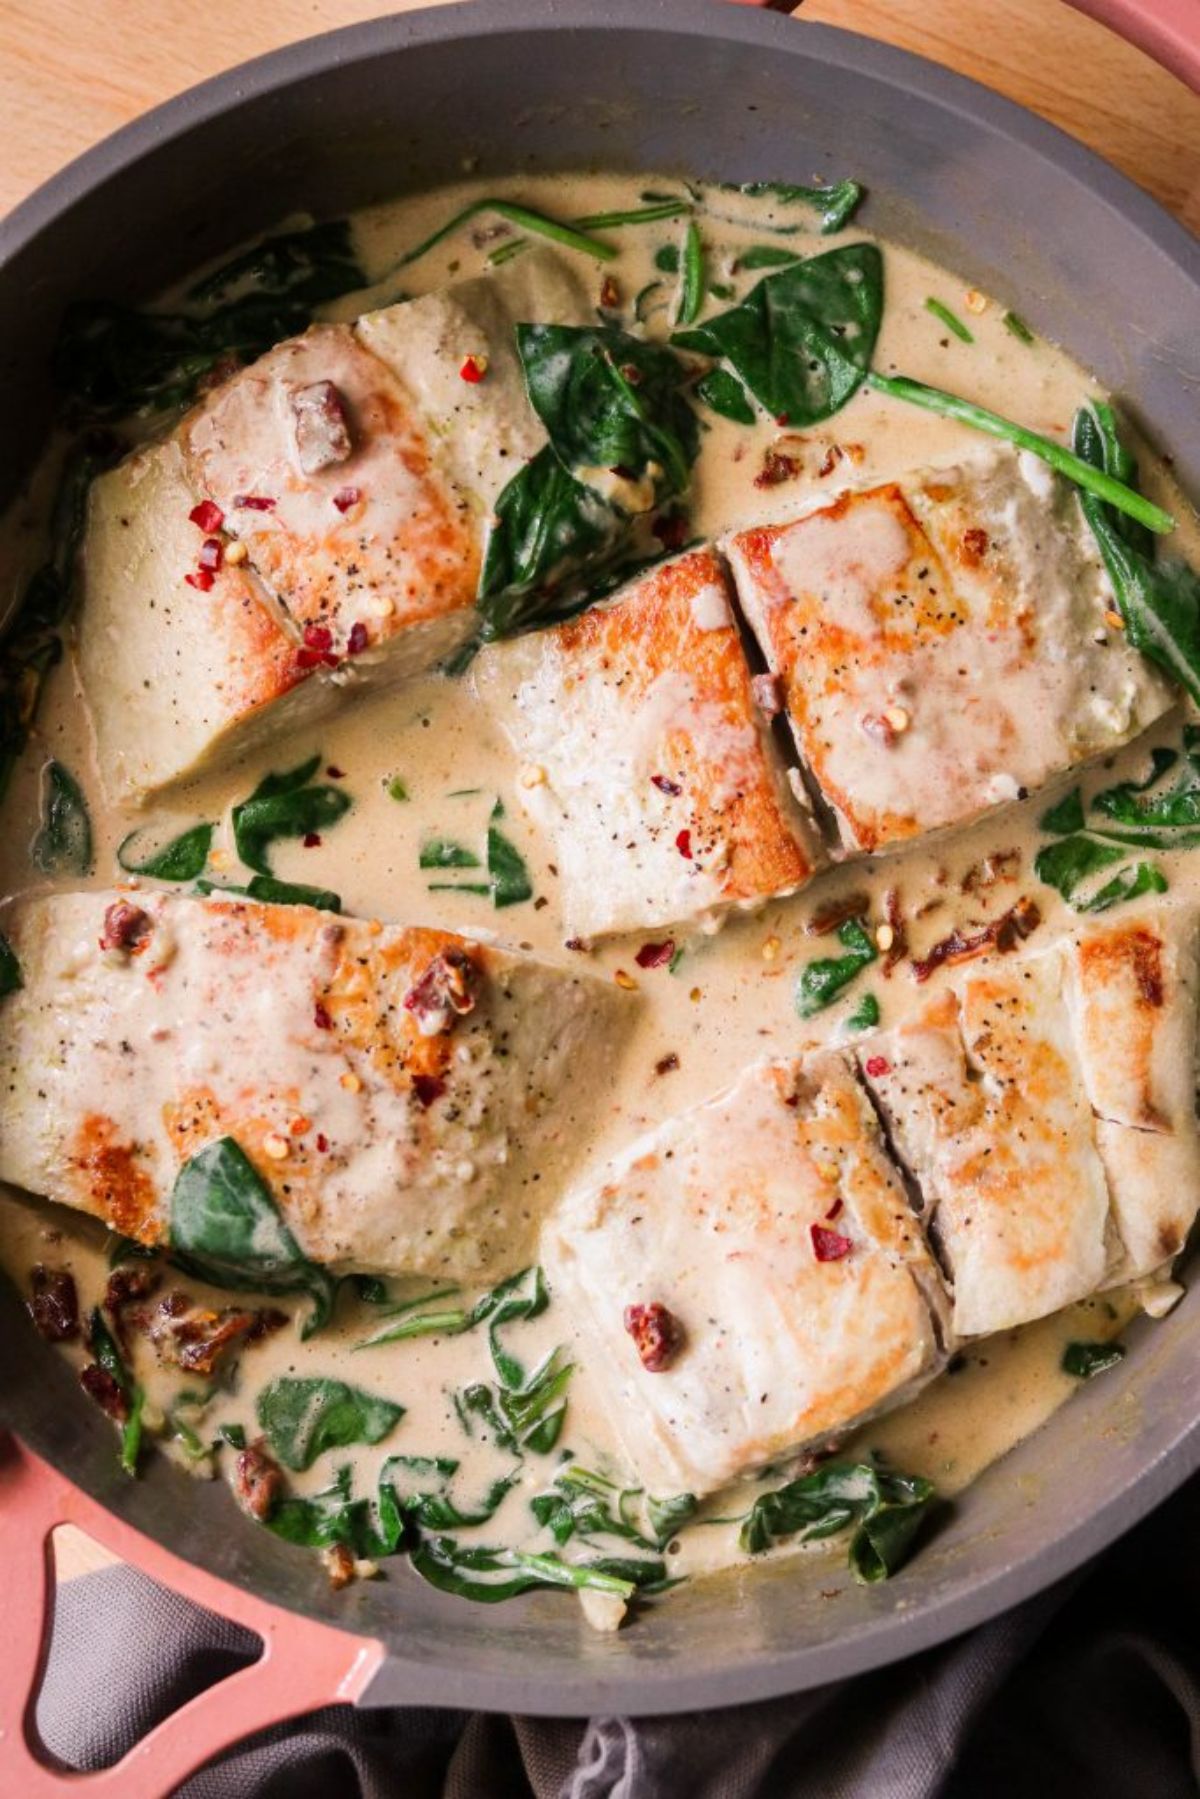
(360, 115)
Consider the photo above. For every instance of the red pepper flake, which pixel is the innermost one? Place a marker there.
(781, 418)
(345, 497)
(777, 468)
(974, 546)
(654, 955)
(312, 840)
(335, 774)
(212, 554)
(1002, 934)
(610, 293)
(876, 1066)
(322, 1017)
(252, 502)
(315, 659)
(358, 639)
(665, 784)
(473, 369)
(207, 517)
(657, 1334)
(428, 1087)
(318, 637)
(829, 1246)
(201, 578)
(322, 1142)
(833, 1211)
(683, 843)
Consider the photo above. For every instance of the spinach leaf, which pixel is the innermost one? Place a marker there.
(666, 208)
(822, 980)
(666, 259)
(372, 1291)
(1012, 321)
(691, 284)
(303, 1417)
(30, 644)
(549, 530)
(63, 844)
(180, 860)
(610, 401)
(285, 805)
(227, 1229)
(419, 1488)
(521, 1296)
(865, 1015)
(114, 361)
(767, 256)
(1071, 865)
(1065, 816)
(725, 394)
(490, 1575)
(833, 205)
(527, 1416)
(509, 877)
(1159, 602)
(581, 1503)
(802, 340)
(104, 1348)
(1084, 1360)
(10, 968)
(441, 852)
(269, 891)
(950, 319)
(1087, 476)
(331, 1515)
(886, 1509)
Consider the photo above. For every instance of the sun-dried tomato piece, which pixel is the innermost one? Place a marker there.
(1001, 934)
(195, 1338)
(322, 426)
(837, 912)
(657, 1334)
(428, 1087)
(126, 927)
(655, 955)
(447, 990)
(666, 785)
(207, 517)
(358, 640)
(101, 1386)
(257, 1482)
(54, 1303)
(339, 1565)
(777, 468)
(672, 529)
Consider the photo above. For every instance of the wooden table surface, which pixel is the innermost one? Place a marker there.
(71, 71)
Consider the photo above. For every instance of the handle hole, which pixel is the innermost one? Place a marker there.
(125, 1653)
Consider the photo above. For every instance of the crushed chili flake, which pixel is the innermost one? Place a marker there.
(683, 843)
(428, 1087)
(782, 418)
(201, 579)
(877, 1065)
(974, 545)
(666, 785)
(777, 468)
(358, 639)
(315, 658)
(252, 502)
(1002, 934)
(322, 1142)
(610, 293)
(207, 517)
(672, 529)
(829, 1246)
(654, 955)
(830, 460)
(879, 729)
(473, 368)
(345, 497)
(322, 1017)
(312, 840)
(667, 1064)
(657, 1335)
(837, 912)
(834, 1209)
(335, 774)
(318, 637)
(212, 554)
(53, 1304)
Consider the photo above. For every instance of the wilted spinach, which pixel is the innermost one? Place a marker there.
(63, 844)
(802, 339)
(1159, 601)
(277, 893)
(1083, 1360)
(823, 979)
(226, 1229)
(10, 968)
(507, 873)
(303, 1417)
(108, 1357)
(581, 1503)
(723, 393)
(113, 361)
(490, 1575)
(285, 805)
(886, 1509)
(833, 205)
(180, 860)
(521, 1296)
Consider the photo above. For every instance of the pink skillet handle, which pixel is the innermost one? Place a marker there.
(303, 1664)
(1168, 30)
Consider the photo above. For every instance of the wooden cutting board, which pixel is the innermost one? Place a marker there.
(71, 71)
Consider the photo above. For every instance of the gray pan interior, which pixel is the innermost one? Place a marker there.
(713, 91)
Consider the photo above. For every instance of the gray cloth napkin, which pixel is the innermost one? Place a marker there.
(1093, 1687)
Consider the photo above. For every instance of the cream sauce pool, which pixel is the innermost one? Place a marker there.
(730, 1000)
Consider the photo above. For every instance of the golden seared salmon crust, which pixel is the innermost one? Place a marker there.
(943, 645)
(403, 1092)
(1044, 1107)
(748, 1278)
(647, 757)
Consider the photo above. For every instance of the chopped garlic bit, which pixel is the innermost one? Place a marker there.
(770, 949)
(276, 1147)
(974, 301)
(236, 552)
(531, 775)
(625, 980)
(603, 1611)
(897, 718)
(351, 1083)
(380, 605)
(885, 936)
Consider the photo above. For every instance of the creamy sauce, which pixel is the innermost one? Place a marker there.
(729, 1002)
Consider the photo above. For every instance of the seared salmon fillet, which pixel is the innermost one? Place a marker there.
(647, 758)
(402, 1092)
(318, 522)
(943, 645)
(748, 1278)
(1044, 1106)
